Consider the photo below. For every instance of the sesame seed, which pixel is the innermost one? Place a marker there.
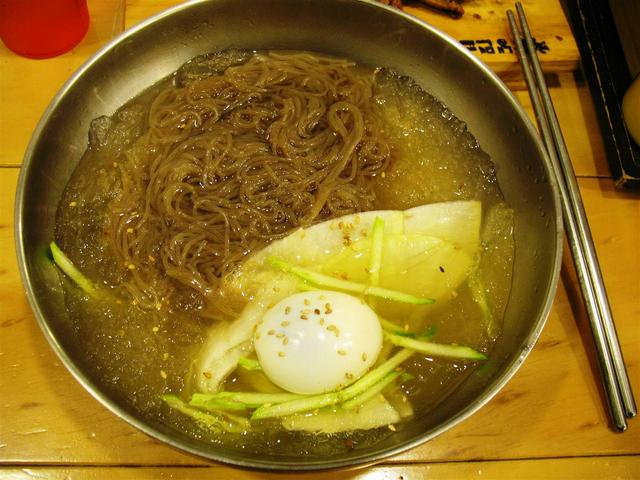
(285, 340)
(281, 354)
(327, 308)
(73, 204)
(151, 259)
(391, 427)
(287, 310)
(306, 311)
(271, 332)
(131, 266)
(349, 375)
(316, 311)
(163, 374)
(383, 174)
(307, 301)
(155, 329)
(129, 230)
(322, 297)
(331, 327)
(364, 356)
(286, 323)
(279, 335)
(304, 317)
(342, 352)
(322, 321)
(207, 375)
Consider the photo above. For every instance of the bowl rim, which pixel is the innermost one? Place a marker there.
(356, 460)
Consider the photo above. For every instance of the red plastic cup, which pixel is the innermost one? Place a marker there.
(43, 28)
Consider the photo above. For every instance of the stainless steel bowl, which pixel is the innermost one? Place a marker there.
(358, 29)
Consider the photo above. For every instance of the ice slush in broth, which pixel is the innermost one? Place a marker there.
(299, 251)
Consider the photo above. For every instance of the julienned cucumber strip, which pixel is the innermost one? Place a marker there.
(396, 329)
(371, 392)
(303, 405)
(211, 421)
(63, 262)
(318, 401)
(390, 326)
(247, 399)
(436, 349)
(249, 364)
(375, 375)
(339, 284)
(216, 405)
(377, 244)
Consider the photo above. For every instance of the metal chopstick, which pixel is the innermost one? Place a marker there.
(585, 233)
(614, 375)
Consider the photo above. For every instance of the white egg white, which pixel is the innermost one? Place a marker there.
(317, 341)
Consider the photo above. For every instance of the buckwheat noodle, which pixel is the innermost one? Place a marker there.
(233, 160)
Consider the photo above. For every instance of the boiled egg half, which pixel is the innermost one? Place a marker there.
(317, 341)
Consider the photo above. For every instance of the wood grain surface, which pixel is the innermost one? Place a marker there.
(548, 422)
(584, 468)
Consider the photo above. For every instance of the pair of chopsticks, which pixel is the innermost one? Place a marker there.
(614, 375)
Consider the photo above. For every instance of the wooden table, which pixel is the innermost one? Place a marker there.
(548, 422)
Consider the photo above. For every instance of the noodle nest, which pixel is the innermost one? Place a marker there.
(231, 160)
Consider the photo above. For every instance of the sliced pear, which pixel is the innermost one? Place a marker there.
(419, 265)
(457, 223)
(311, 246)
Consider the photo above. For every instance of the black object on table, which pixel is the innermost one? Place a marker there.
(608, 74)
